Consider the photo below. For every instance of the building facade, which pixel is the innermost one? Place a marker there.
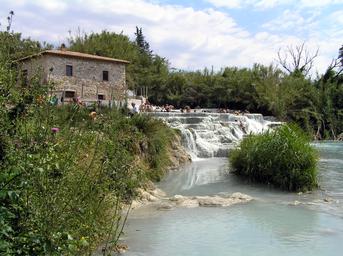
(75, 75)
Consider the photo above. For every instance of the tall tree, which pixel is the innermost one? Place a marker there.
(297, 60)
(340, 59)
(141, 42)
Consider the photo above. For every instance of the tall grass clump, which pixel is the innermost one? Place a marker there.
(155, 144)
(282, 157)
(66, 175)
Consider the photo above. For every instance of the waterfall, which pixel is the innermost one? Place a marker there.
(207, 135)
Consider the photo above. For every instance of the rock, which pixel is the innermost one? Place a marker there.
(241, 196)
(210, 201)
(189, 203)
(158, 193)
(177, 198)
(121, 248)
(328, 199)
(135, 204)
(178, 156)
(213, 201)
(295, 203)
(165, 206)
(146, 196)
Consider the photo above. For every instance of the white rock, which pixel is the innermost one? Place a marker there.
(189, 203)
(241, 196)
(165, 206)
(177, 198)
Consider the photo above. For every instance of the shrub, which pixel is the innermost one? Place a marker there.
(282, 157)
(65, 176)
(158, 138)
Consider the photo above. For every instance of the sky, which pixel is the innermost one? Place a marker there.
(193, 34)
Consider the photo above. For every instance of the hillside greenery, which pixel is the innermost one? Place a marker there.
(282, 157)
(314, 104)
(66, 175)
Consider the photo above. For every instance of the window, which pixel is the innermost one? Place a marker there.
(69, 94)
(24, 76)
(104, 75)
(101, 97)
(69, 70)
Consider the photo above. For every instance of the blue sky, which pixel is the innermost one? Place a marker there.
(193, 34)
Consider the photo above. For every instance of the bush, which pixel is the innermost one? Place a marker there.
(65, 176)
(156, 142)
(282, 157)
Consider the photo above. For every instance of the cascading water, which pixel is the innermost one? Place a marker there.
(207, 135)
(275, 223)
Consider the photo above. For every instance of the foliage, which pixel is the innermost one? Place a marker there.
(157, 139)
(340, 55)
(64, 175)
(141, 42)
(282, 157)
(61, 191)
(292, 97)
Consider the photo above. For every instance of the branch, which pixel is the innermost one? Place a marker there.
(301, 59)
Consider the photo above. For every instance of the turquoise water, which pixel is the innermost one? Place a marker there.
(272, 224)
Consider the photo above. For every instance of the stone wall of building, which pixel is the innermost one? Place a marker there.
(86, 68)
(34, 67)
(86, 81)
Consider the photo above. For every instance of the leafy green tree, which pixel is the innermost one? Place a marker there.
(142, 43)
(340, 55)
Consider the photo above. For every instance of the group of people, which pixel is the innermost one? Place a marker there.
(236, 112)
(148, 107)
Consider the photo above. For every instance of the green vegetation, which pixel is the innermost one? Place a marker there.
(66, 175)
(282, 157)
(314, 104)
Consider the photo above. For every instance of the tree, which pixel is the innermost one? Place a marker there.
(340, 55)
(141, 42)
(298, 60)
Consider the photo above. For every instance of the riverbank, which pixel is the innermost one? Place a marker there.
(67, 171)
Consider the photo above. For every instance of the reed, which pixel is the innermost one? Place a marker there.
(282, 157)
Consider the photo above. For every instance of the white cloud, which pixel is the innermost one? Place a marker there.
(48, 5)
(319, 3)
(227, 3)
(266, 4)
(293, 21)
(189, 38)
(337, 17)
(51, 5)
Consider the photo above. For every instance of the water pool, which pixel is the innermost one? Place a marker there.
(275, 223)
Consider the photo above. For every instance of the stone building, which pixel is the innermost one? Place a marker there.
(72, 75)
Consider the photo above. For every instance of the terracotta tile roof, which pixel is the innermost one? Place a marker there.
(78, 55)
